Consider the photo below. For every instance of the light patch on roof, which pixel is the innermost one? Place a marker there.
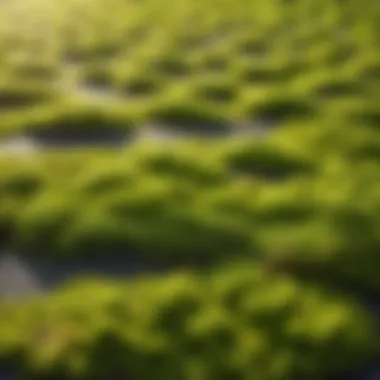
(17, 279)
(19, 146)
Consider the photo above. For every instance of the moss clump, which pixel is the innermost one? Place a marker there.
(190, 116)
(260, 325)
(43, 71)
(76, 121)
(214, 62)
(98, 76)
(97, 50)
(253, 46)
(171, 65)
(140, 84)
(130, 212)
(19, 183)
(216, 90)
(366, 115)
(18, 95)
(279, 109)
(269, 161)
(338, 88)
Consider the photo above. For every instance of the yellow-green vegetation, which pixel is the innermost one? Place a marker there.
(70, 118)
(220, 60)
(237, 322)
(308, 195)
(305, 199)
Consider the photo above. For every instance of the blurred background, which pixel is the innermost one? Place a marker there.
(189, 190)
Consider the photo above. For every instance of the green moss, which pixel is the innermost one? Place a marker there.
(211, 61)
(157, 325)
(78, 119)
(92, 51)
(102, 178)
(50, 214)
(323, 227)
(153, 229)
(365, 147)
(98, 76)
(20, 179)
(189, 115)
(144, 213)
(95, 232)
(18, 95)
(165, 52)
(200, 206)
(19, 183)
(268, 160)
(182, 166)
(339, 87)
(264, 74)
(366, 115)
(370, 71)
(340, 53)
(280, 108)
(36, 71)
(138, 84)
(216, 90)
(171, 65)
(252, 46)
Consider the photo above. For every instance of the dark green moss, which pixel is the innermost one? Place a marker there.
(190, 116)
(282, 109)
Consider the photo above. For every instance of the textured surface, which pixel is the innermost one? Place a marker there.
(201, 79)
